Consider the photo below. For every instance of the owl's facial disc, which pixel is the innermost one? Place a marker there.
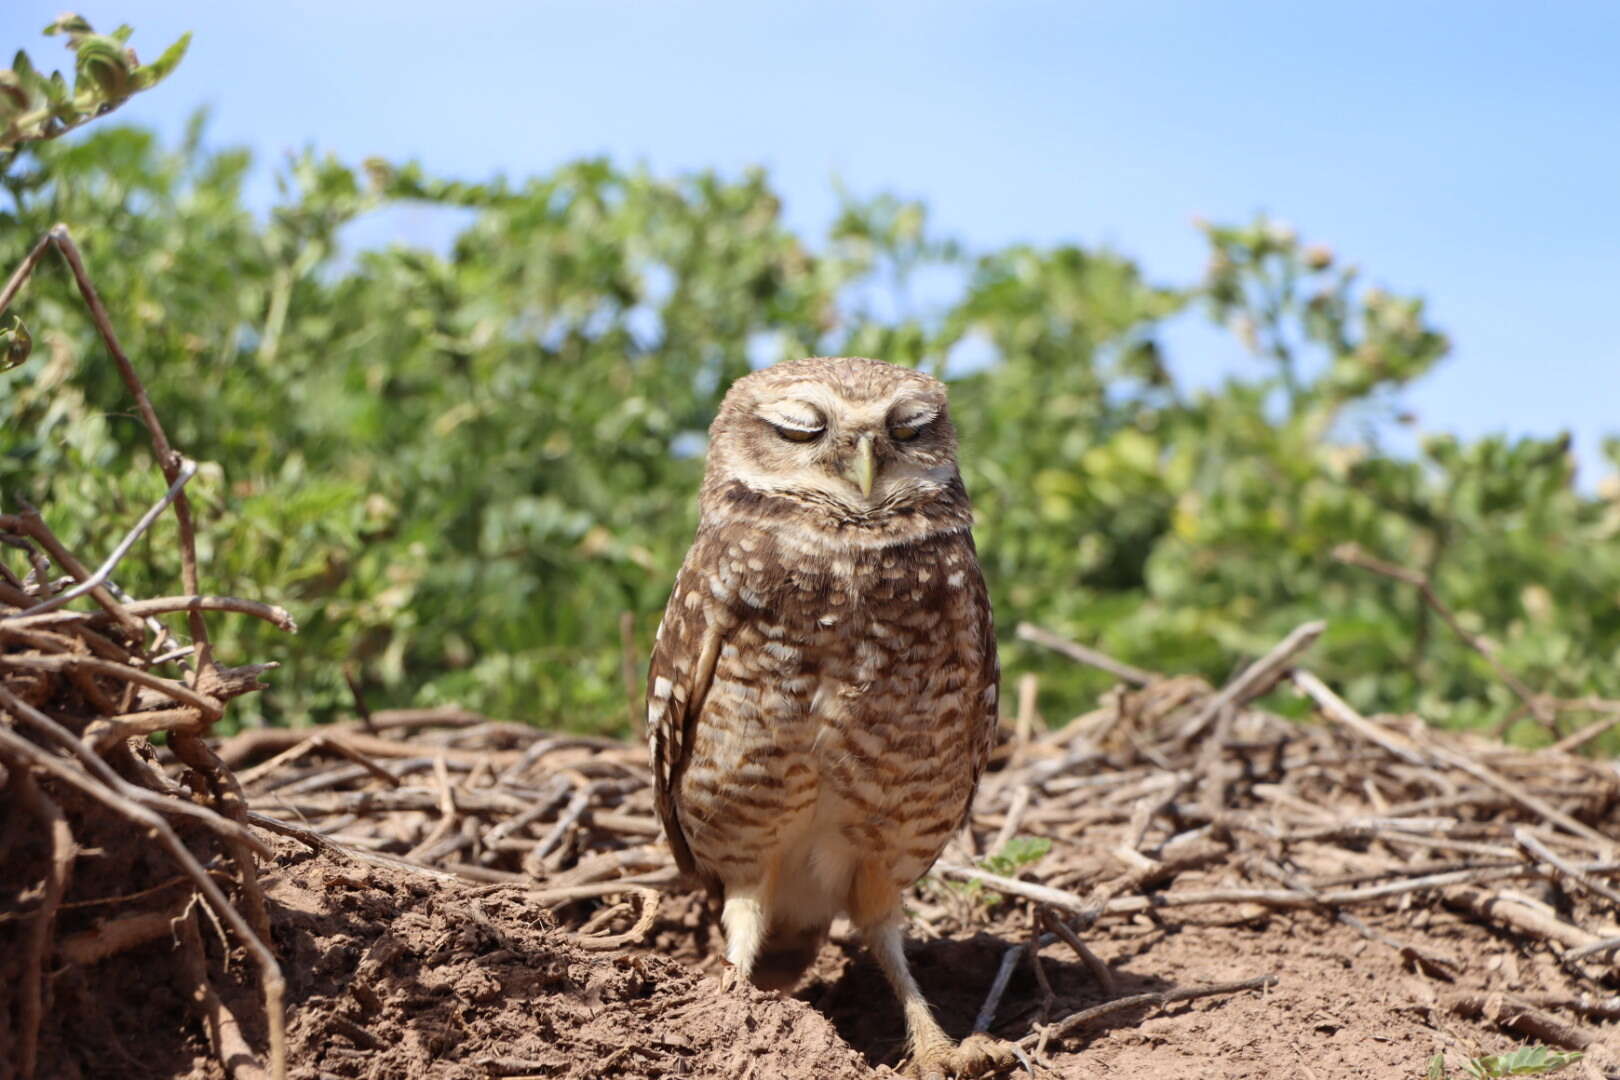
(863, 454)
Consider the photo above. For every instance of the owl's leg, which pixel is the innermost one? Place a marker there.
(934, 1055)
(875, 908)
(746, 922)
(887, 940)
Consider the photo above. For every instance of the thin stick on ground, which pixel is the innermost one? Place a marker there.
(1095, 964)
(223, 1028)
(1074, 1022)
(1606, 945)
(1337, 710)
(1577, 739)
(998, 987)
(633, 936)
(1527, 840)
(1520, 1017)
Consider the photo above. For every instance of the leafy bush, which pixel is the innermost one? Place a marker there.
(459, 468)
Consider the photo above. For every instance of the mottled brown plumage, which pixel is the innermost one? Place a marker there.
(822, 695)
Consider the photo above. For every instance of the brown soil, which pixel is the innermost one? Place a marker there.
(403, 971)
(396, 975)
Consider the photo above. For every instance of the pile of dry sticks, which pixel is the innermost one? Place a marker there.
(105, 849)
(1170, 794)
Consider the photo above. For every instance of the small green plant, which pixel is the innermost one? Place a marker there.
(1015, 854)
(35, 106)
(1525, 1061)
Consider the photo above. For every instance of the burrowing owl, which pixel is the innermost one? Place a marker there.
(822, 696)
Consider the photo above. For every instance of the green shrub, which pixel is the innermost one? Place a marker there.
(459, 468)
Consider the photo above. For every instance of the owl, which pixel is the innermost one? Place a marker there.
(821, 700)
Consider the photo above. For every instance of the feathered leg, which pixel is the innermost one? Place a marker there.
(746, 921)
(875, 908)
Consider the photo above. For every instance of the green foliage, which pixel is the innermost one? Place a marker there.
(1525, 1061)
(36, 106)
(1017, 853)
(459, 468)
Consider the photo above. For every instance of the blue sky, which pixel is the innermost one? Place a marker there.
(1469, 152)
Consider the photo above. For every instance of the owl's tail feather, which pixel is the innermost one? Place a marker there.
(786, 955)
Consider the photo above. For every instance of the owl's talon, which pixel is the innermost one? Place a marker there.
(974, 1057)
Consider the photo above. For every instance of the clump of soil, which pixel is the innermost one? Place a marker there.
(392, 974)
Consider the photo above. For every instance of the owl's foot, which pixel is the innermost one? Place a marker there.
(975, 1056)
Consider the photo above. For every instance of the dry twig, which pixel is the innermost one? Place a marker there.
(77, 685)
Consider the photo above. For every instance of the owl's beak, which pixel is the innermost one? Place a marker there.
(863, 469)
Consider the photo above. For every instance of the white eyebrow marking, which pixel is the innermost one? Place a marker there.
(793, 415)
(913, 414)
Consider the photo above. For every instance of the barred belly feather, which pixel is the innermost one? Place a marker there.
(846, 718)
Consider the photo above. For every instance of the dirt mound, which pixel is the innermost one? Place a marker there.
(450, 897)
(393, 974)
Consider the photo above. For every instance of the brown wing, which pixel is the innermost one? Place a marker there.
(988, 667)
(678, 679)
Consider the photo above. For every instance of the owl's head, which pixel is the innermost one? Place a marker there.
(856, 440)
